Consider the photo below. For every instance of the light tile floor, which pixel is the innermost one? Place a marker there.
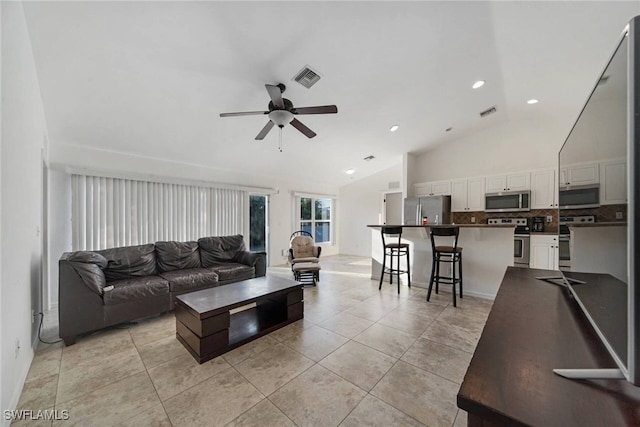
(359, 357)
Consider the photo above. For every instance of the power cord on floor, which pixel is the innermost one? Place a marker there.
(41, 314)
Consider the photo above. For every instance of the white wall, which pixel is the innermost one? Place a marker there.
(281, 201)
(513, 146)
(23, 136)
(361, 204)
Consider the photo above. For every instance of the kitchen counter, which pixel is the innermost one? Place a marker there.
(598, 224)
(544, 233)
(487, 252)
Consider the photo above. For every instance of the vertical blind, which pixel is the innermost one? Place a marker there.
(113, 212)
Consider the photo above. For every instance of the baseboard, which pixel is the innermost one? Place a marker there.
(15, 398)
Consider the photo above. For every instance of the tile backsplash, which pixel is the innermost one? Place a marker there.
(606, 213)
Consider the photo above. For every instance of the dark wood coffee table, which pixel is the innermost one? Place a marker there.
(205, 326)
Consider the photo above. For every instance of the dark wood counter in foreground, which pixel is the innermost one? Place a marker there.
(533, 328)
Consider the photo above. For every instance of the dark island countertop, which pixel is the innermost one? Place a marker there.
(445, 225)
(533, 328)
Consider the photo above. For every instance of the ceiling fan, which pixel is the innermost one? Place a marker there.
(282, 112)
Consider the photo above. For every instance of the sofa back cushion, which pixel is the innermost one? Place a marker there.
(130, 261)
(303, 246)
(177, 255)
(223, 248)
(89, 266)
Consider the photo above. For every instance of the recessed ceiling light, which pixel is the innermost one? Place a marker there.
(394, 128)
(350, 171)
(478, 84)
(532, 101)
(448, 129)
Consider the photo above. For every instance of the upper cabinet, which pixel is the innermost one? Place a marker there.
(435, 188)
(511, 182)
(583, 174)
(613, 182)
(467, 195)
(544, 189)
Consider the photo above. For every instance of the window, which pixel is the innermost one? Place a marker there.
(315, 217)
(112, 212)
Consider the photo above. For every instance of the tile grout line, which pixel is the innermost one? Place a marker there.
(150, 380)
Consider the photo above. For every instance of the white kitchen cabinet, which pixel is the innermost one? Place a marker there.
(582, 174)
(475, 194)
(543, 252)
(459, 192)
(467, 195)
(613, 182)
(434, 188)
(512, 182)
(544, 189)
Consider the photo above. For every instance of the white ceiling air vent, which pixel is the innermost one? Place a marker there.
(307, 77)
(488, 111)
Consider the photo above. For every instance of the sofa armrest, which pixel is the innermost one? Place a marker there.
(258, 260)
(80, 309)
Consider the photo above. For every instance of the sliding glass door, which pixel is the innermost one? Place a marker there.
(258, 223)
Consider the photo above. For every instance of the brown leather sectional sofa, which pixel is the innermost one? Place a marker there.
(104, 288)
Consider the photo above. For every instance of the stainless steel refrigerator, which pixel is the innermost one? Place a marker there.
(436, 210)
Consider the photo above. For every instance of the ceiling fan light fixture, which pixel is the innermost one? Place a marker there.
(281, 117)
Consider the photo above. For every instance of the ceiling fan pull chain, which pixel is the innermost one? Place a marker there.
(280, 141)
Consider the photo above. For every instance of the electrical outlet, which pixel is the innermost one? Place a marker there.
(618, 215)
(473, 220)
(549, 218)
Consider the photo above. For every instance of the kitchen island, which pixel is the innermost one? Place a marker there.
(487, 252)
(599, 246)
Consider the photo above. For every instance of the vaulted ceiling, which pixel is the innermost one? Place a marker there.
(150, 78)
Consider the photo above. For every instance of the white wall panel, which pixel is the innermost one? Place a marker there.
(22, 201)
(361, 204)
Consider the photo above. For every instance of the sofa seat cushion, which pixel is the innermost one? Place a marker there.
(129, 261)
(135, 288)
(233, 271)
(181, 280)
(177, 255)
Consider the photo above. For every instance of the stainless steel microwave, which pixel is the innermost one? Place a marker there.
(579, 196)
(512, 201)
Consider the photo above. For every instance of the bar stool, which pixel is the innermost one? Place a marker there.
(394, 250)
(451, 254)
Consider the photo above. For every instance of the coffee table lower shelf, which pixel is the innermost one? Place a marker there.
(208, 338)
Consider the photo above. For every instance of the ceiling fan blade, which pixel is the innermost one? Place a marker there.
(245, 113)
(265, 130)
(324, 109)
(302, 128)
(276, 95)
